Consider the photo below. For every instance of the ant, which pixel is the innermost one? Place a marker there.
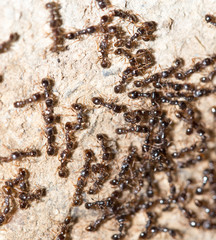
(107, 153)
(124, 15)
(34, 98)
(73, 35)
(101, 168)
(209, 78)
(199, 66)
(81, 116)
(103, 171)
(116, 108)
(18, 155)
(63, 171)
(103, 3)
(66, 228)
(157, 76)
(82, 180)
(184, 150)
(145, 31)
(210, 19)
(94, 226)
(9, 209)
(104, 46)
(19, 188)
(55, 24)
(70, 143)
(48, 116)
(136, 128)
(5, 46)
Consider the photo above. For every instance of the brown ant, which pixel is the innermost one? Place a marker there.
(124, 15)
(18, 188)
(5, 46)
(145, 31)
(55, 24)
(66, 228)
(69, 137)
(82, 180)
(19, 155)
(48, 115)
(74, 35)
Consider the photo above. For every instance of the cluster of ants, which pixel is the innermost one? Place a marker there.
(18, 188)
(135, 188)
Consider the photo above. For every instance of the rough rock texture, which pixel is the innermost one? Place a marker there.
(182, 32)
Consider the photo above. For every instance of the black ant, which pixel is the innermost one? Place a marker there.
(34, 98)
(199, 66)
(116, 108)
(103, 3)
(210, 19)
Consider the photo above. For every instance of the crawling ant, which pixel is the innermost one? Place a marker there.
(139, 63)
(209, 78)
(116, 108)
(19, 155)
(55, 24)
(104, 46)
(210, 19)
(103, 171)
(18, 188)
(70, 143)
(136, 128)
(107, 152)
(94, 226)
(184, 150)
(48, 115)
(157, 76)
(65, 154)
(82, 180)
(66, 228)
(81, 116)
(102, 3)
(127, 54)
(145, 31)
(34, 98)
(9, 209)
(5, 46)
(197, 67)
(125, 15)
(74, 35)
(102, 204)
